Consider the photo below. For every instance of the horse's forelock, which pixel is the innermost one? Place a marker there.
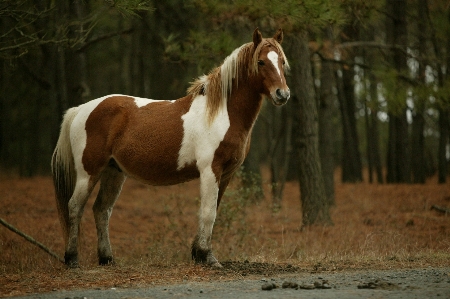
(265, 42)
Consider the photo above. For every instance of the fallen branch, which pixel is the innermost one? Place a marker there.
(440, 209)
(31, 240)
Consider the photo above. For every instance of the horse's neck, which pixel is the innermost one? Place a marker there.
(244, 105)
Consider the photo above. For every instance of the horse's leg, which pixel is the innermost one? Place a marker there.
(83, 189)
(201, 247)
(111, 183)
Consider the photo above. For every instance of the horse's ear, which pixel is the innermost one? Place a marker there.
(279, 36)
(257, 37)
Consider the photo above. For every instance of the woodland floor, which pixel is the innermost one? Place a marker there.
(375, 227)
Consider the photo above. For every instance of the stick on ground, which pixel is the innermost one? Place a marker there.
(440, 209)
(31, 240)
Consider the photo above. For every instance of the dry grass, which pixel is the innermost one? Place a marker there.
(375, 226)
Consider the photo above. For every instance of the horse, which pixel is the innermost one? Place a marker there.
(205, 134)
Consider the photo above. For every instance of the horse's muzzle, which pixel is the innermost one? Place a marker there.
(281, 96)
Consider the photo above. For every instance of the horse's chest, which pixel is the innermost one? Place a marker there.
(201, 138)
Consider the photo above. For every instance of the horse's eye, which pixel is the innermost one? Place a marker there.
(260, 62)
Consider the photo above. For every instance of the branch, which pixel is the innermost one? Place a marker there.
(31, 240)
(440, 209)
(103, 37)
(343, 62)
(371, 44)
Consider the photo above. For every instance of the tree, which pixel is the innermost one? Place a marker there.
(351, 158)
(315, 206)
(371, 107)
(398, 158)
(418, 170)
(327, 129)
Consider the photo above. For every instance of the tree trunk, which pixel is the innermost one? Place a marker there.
(351, 158)
(315, 206)
(444, 111)
(327, 129)
(374, 131)
(137, 63)
(418, 166)
(398, 164)
(371, 106)
(77, 89)
(442, 147)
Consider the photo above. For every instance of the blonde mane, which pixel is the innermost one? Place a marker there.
(217, 85)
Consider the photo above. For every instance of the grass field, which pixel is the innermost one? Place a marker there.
(375, 226)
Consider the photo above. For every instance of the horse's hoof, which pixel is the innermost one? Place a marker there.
(106, 261)
(203, 256)
(216, 264)
(71, 260)
(212, 261)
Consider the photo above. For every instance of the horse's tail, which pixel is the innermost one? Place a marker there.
(63, 171)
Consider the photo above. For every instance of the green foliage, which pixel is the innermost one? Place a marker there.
(294, 15)
(224, 25)
(131, 8)
(394, 90)
(205, 50)
(27, 26)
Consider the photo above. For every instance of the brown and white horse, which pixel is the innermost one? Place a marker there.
(205, 135)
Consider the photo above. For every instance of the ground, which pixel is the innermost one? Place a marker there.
(376, 227)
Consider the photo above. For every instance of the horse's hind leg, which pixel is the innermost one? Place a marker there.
(110, 186)
(83, 189)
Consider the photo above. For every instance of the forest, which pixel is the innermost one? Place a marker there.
(369, 80)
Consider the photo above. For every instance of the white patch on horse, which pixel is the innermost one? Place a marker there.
(273, 57)
(78, 136)
(141, 102)
(200, 139)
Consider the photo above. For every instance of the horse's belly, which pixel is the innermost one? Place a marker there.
(165, 177)
(157, 171)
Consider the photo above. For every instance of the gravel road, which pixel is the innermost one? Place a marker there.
(404, 284)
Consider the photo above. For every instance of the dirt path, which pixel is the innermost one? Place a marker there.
(406, 283)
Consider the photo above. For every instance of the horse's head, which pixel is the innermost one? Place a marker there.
(271, 64)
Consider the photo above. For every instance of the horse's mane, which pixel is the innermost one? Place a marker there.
(217, 85)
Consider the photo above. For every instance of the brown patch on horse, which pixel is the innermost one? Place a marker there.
(143, 141)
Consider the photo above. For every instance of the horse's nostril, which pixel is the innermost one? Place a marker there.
(282, 94)
(279, 93)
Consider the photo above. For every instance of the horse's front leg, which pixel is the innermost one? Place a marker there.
(201, 247)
